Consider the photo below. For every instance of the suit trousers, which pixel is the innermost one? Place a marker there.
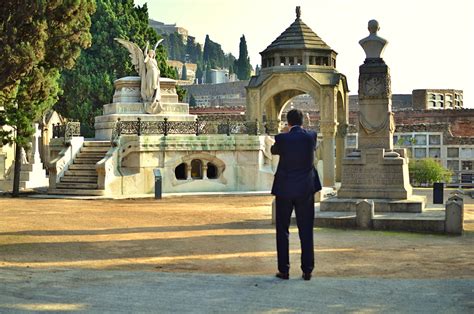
(304, 210)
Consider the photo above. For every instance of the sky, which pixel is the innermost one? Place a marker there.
(431, 42)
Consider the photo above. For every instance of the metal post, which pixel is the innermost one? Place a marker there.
(228, 127)
(197, 126)
(139, 128)
(166, 127)
(158, 183)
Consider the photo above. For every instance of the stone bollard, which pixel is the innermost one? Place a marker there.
(454, 215)
(364, 214)
(274, 211)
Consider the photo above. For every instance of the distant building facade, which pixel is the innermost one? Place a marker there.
(191, 69)
(231, 94)
(437, 99)
(162, 28)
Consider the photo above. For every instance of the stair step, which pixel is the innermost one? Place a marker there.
(81, 167)
(90, 161)
(76, 192)
(82, 179)
(97, 144)
(95, 149)
(81, 172)
(82, 186)
(90, 155)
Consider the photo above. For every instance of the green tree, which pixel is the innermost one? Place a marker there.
(184, 73)
(89, 85)
(242, 65)
(428, 171)
(208, 74)
(38, 38)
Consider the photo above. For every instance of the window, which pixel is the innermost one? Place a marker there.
(467, 153)
(466, 165)
(453, 152)
(420, 153)
(180, 172)
(212, 172)
(435, 140)
(453, 165)
(435, 152)
(196, 169)
(405, 140)
(351, 141)
(300, 61)
(420, 139)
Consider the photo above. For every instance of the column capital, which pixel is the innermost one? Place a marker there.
(328, 127)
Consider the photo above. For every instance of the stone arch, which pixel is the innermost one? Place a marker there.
(280, 88)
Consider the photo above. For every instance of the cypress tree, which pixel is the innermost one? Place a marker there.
(192, 101)
(243, 68)
(184, 72)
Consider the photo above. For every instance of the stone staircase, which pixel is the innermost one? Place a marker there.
(81, 176)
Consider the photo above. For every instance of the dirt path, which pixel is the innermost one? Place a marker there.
(210, 235)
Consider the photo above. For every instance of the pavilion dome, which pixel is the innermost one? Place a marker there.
(298, 45)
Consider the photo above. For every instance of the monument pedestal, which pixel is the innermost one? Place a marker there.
(127, 106)
(375, 171)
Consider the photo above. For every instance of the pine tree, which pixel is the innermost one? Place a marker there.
(243, 67)
(38, 38)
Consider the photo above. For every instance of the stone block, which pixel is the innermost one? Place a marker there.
(454, 217)
(364, 214)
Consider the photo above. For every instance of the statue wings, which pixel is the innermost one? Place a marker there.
(136, 54)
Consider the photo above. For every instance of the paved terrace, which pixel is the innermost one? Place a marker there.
(216, 254)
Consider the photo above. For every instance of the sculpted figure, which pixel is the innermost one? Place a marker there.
(149, 72)
(373, 45)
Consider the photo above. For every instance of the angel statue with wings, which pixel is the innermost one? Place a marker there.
(149, 72)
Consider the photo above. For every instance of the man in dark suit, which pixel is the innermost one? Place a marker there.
(296, 181)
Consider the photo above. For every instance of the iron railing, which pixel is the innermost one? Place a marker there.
(196, 127)
(67, 130)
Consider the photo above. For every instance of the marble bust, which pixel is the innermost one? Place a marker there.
(373, 45)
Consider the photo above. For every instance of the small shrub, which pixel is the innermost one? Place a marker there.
(427, 171)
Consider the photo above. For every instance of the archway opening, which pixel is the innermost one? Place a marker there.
(305, 103)
(196, 169)
(180, 172)
(212, 172)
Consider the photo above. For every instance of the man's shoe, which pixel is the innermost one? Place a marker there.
(284, 276)
(306, 276)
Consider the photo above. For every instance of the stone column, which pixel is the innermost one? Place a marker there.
(188, 171)
(328, 130)
(254, 109)
(3, 158)
(204, 171)
(340, 149)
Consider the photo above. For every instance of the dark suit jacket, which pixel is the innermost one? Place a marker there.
(295, 175)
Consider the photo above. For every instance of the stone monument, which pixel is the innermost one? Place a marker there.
(375, 170)
(147, 96)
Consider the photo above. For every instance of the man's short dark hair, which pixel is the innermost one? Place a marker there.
(294, 117)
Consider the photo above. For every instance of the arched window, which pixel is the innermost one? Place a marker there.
(180, 172)
(212, 172)
(196, 169)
